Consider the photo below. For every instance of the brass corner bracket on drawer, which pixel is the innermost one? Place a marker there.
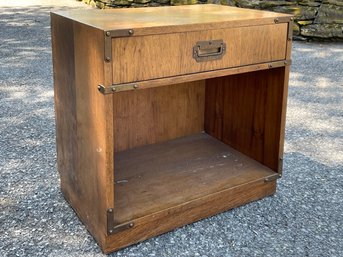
(283, 19)
(290, 30)
(112, 228)
(108, 35)
(288, 20)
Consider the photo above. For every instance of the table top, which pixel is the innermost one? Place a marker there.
(169, 19)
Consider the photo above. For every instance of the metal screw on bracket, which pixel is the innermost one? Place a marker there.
(108, 59)
(135, 86)
(108, 33)
(276, 20)
(113, 89)
(130, 31)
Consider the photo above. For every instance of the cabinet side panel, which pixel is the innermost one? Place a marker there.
(84, 132)
(62, 35)
(94, 131)
(247, 113)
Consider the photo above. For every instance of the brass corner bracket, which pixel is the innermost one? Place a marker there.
(108, 35)
(272, 177)
(117, 88)
(276, 175)
(112, 228)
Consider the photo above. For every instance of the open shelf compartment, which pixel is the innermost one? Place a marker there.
(176, 144)
(155, 177)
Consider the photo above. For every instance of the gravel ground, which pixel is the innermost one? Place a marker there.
(304, 217)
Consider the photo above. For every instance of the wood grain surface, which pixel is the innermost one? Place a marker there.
(84, 131)
(188, 212)
(245, 111)
(204, 75)
(157, 56)
(155, 115)
(144, 153)
(156, 177)
(172, 19)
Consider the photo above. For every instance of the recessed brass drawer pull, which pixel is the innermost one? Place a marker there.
(209, 50)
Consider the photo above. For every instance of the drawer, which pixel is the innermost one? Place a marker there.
(147, 57)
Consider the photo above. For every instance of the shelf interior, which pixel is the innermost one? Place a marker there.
(155, 177)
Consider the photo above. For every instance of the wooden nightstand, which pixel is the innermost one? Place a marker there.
(167, 115)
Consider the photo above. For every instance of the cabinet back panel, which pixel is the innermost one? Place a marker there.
(154, 115)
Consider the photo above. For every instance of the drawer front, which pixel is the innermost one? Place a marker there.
(158, 56)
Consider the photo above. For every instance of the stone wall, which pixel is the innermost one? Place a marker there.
(314, 19)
